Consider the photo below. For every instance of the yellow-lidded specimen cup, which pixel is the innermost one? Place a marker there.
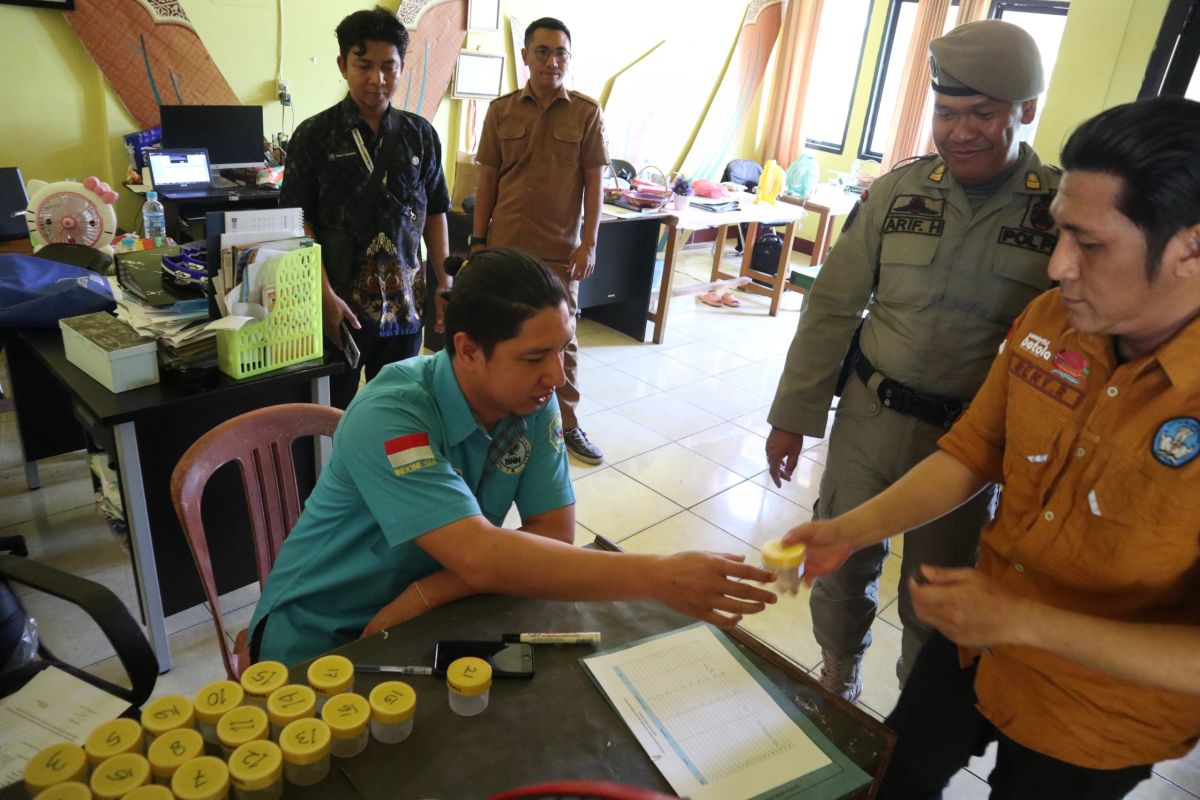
(59, 763)
(392, 707)
(786, 562)
(260, 679)
(115, 777)
(347, 716)
(330, 675)
(212, 702)
(171, 751)
(469, 681)
(305, 744)
(288, 704)
(203, 778)
(240, 725)
(168, 713)
(114, 738)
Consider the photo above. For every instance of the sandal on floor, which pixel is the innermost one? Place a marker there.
(728, 299)
(712, 298)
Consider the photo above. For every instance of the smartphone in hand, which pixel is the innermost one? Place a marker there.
(349, 346)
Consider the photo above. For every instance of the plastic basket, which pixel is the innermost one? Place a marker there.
(291, 333)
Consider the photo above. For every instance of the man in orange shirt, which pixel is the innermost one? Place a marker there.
(1076, 632)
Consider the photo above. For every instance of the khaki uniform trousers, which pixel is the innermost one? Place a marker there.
(870, 448)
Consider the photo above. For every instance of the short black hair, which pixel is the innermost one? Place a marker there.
(1153, 147)
(375, 25)
(550, 23)
(494, 292)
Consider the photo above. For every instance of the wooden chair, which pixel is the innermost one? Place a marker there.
(261, 442)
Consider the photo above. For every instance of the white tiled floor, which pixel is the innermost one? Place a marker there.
(682, 425)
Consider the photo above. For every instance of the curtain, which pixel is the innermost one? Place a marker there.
(971, 11)
(784, 138)
(907, 135)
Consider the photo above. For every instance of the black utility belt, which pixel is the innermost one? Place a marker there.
(929, 408)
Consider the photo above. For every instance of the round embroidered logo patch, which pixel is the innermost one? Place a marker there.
(556, 435)
(1177, 441)
(516, 458)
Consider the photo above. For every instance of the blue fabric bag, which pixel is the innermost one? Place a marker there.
(36, 293)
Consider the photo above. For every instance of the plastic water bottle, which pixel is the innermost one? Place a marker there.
(155, 219)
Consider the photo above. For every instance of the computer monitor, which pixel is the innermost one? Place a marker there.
(232, 135)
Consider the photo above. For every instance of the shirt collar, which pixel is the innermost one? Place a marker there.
(562, 94)
(457, 416)
(1177, 356)
(1029, 176)
(350, 117)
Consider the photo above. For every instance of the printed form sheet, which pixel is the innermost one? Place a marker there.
(711, 729)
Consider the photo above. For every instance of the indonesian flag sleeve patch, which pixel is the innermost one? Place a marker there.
(409, 453)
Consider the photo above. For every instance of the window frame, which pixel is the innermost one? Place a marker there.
(1053, 7)
(1176, 53)
(836, 147)
(885, 55)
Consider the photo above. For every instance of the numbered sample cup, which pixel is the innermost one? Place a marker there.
(305, 744)
(392, 707)
(288, 704)
(256, 771)
(73, 790)
(150, 792)
(59, 763)
(171, 751)
(240, 725)
(260, 679)
(330, 675)
(203, 778)
(469, 681)
(167, 714)
(115, 777)
(112, 739)
(212, 702)
(348, 716)
(786, 563)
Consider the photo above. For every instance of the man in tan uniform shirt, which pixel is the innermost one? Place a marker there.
(540, 159)
(944, 252)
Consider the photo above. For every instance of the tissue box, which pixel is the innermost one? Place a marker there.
(110, 351)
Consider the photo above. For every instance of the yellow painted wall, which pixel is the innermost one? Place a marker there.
(62, 120)
(1101, 63)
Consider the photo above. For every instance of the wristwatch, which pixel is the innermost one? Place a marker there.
(478, 240)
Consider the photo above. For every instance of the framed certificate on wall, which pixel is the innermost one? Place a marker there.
(478, 75)
(483, 15)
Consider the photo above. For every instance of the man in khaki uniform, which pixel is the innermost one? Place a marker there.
(540, 159)
(943, 253)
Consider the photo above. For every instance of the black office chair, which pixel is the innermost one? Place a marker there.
(100, 604)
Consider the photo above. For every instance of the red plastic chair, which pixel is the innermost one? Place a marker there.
(261, 442)
(581, 790)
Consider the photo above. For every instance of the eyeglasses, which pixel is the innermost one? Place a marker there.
(561, 54)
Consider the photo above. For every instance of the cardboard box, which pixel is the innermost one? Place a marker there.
(110, 351)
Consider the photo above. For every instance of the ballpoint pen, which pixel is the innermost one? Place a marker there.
(393, 670)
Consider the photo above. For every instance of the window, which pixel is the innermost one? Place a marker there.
(1044, 21)
(897, 34)
(1172, 68)
(835, 73)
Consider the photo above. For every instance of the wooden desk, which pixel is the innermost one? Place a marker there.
(692, 219)
(828, 203)
(56, 402)
(555, 726)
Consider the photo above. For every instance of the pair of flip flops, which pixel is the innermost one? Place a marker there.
(715, 298)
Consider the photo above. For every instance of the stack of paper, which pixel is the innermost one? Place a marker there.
(181, 329)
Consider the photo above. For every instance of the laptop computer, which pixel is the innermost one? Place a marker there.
(185, 174)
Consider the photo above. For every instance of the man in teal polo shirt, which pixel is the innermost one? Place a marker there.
(426, 463)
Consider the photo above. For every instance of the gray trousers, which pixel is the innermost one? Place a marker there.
(870, 448)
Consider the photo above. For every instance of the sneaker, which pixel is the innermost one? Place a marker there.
(841, 675)
(581, 448)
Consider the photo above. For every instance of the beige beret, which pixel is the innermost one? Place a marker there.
(990, 57)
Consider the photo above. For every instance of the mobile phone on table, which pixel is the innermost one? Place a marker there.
(508, 659)
(349, 346)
